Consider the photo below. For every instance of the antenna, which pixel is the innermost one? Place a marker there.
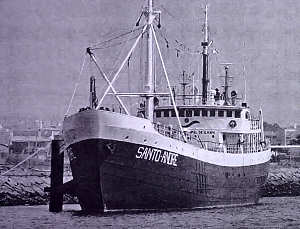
(184, 84)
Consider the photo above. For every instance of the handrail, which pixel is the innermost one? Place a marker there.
(235, 148)
(176, 134)
(255, 124)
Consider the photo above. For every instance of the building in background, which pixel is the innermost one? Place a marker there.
(26, 142)
(4, 141)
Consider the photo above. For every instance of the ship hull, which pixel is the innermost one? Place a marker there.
(116, 174)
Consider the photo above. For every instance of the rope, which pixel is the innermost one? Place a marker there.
(61, 149)
(76, 86)
(120, 68)
(118, 57)
(20, 163)
(179, 47)
(115, 44)
(114, 38)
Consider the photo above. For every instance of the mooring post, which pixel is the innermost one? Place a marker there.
(56, 176)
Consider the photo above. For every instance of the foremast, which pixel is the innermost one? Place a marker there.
(149, 88)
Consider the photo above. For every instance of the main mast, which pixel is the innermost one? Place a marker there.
(205, 45)
(149, 78)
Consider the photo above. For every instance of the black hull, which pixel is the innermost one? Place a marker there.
(110, 177)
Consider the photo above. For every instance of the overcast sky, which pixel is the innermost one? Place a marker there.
(42, 45)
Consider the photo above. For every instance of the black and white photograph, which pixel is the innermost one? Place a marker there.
(149, 114)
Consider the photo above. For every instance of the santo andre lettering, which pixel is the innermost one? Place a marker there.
(157, 155)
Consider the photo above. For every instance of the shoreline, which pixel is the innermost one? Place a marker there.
(26, 186)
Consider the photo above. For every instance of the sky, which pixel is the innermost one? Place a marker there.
(42, 45)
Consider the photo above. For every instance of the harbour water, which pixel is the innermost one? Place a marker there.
(275, 212)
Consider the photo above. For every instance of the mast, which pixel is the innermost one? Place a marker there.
(149, 78)
(226, 85)
(184, 84)
(205, 44)
(93, 96)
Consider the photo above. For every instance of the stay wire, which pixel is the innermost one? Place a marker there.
(115, 38)
(118, 57)
(76, 85)
(115, 44)
(179, 46)
(20, 163)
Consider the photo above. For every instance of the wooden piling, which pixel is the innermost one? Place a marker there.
(57, 173)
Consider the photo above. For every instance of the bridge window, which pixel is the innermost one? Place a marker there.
(221, 113)
(197, 112)
(189, 113)
(204, 113)
(173, 113)
(229, 113)
(181, 112)
(166, 113)
(158, 114)
(212, 113)
(237, 114)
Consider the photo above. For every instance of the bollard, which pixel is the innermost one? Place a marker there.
(56, 177)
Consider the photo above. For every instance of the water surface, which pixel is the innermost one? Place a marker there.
(277, 212)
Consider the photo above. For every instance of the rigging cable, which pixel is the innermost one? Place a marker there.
(20, 163)
(169, 85)
(120, 68)
(95, 46)
(76, 85)
(118, 57)
(187, 59)
(114, 45)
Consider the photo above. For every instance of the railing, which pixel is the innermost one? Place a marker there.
(255, 124)
(192, 138)
(247, 147)
(168, 131)
(190, 99)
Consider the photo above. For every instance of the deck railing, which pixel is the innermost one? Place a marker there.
(255, 124)
(194, 139)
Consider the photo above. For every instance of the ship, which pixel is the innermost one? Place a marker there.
(208, 152)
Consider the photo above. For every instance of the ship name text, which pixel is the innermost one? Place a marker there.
(157, 155)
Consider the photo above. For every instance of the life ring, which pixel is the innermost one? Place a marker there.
(232, 124)
(263, 144)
